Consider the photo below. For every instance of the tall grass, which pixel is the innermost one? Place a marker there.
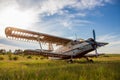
(44, 69)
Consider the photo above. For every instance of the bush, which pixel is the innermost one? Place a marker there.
(1, 58)
(15, 58)
(36, 58)
(29, 57)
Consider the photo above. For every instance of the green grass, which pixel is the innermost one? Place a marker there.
(104, 68)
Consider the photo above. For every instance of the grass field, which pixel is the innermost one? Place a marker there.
(38, 68)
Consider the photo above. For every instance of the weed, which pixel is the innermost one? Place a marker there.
(29, 57)
(36, 58)
(1, 58)
(15, 58)
(104, 68)
(10, 56)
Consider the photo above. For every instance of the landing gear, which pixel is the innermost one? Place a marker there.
(89, 60)
(70, 61)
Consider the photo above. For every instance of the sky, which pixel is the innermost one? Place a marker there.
(63, 18)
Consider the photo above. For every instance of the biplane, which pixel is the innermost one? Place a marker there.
(68, 48)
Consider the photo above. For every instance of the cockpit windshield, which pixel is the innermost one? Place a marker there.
(80, 40)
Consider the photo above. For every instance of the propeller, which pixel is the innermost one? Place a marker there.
(94, 35)
(95, 46)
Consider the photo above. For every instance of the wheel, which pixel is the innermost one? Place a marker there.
(70, 61)
(91, 61)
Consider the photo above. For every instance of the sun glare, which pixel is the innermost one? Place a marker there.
(12, 16)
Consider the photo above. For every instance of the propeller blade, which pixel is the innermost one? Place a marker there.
(95, 46)
(94, 35)
(96, 51)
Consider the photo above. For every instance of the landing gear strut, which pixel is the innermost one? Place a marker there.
(70, 61)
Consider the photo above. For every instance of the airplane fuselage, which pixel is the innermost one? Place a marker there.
(76, 48)
(79, 48)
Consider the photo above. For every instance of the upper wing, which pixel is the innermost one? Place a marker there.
(26, 35)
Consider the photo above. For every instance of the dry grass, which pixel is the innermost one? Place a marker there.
(104, 68)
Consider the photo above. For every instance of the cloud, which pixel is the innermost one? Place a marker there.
(70, 24)
(88, 4)
(17, 44)
(111, 38)
(107, 37)
(81, 14)
(11, 15)
(46, 15)
(114, 43)
(9, 47)
(28, 12)
(66, 24)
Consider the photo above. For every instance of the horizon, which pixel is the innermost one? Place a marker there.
(62, 18)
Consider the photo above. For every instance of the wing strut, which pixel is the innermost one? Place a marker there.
(50, 46)
(40, 44)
